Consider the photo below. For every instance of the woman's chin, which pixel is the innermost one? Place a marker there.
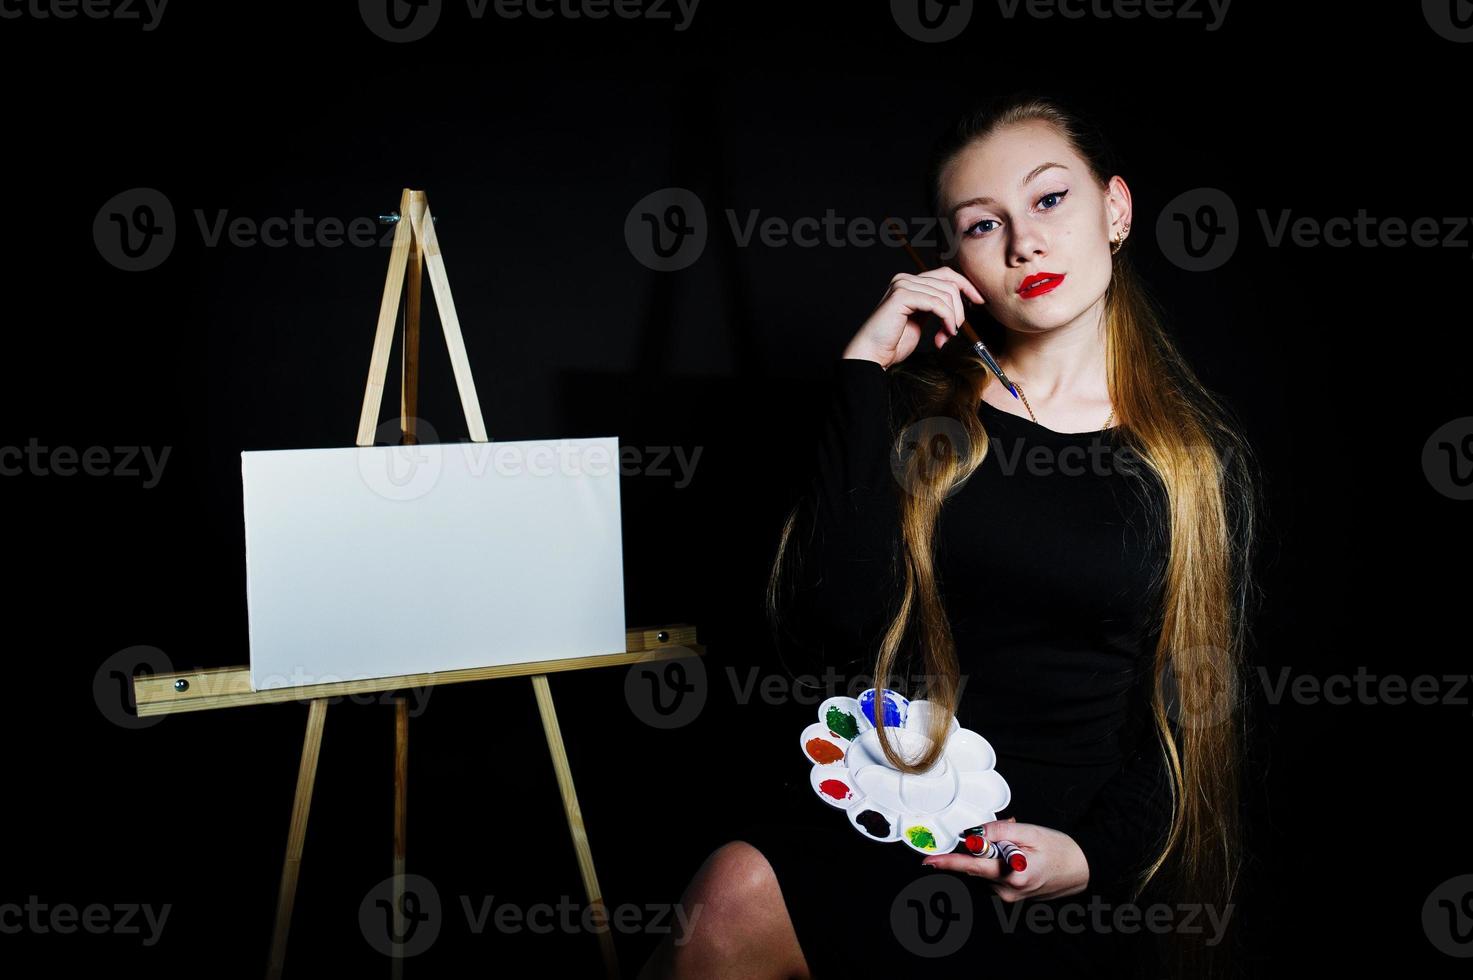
(1041, 316)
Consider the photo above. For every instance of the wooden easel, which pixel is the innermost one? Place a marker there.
(415, 247)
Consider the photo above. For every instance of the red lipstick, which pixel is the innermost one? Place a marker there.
(1039, 283)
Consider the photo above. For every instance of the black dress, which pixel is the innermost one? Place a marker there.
(1047, 560)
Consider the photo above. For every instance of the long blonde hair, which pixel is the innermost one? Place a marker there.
(1185, 439)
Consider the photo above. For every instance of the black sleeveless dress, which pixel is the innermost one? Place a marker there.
(1047, 559)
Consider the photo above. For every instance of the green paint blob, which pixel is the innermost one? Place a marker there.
(842, 723)
(921, 837)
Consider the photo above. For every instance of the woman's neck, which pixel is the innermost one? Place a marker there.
(1063, 375)
(1063, 364)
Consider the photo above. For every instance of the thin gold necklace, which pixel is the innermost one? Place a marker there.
(1035, 417)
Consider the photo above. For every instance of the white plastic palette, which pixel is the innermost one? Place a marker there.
(928, 810)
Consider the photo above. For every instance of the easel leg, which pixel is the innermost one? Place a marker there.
(575, 819)
(296, 835)
(401, 796)
(409, 356)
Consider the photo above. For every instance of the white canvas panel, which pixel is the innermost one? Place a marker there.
(385, 560)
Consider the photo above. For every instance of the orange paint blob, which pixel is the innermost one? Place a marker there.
(822, 751)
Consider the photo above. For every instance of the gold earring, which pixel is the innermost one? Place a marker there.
(1119, 240)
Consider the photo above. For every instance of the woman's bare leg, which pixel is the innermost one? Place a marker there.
(739, 925)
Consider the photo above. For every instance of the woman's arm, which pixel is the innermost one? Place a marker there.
(849, 514)
(1127, 822)
(847, 523)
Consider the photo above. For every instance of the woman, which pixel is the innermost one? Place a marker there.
(1069, 569)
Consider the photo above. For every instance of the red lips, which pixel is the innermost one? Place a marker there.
(1039, 283)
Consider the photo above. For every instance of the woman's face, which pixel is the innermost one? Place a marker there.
(1021, 203)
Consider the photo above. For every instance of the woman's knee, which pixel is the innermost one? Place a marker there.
(738, 867)
(734, 905)
(734, 888)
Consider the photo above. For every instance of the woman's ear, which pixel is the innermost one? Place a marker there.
(1117, 201)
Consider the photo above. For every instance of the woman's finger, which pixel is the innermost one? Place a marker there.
(915, 298)
(930, 287)
(1010, 830)
(961, 281)
(951, 289)
(968, 864)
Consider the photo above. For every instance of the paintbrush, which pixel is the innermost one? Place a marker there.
(966, 328)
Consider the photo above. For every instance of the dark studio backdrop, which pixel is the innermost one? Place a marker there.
(535, 140)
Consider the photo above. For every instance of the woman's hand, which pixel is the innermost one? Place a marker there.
(1056, 865)
(893, 330)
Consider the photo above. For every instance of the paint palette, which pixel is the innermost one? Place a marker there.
(927, 810)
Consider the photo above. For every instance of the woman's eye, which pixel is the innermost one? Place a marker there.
(976, 230)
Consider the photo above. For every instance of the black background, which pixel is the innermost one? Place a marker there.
(533, 140)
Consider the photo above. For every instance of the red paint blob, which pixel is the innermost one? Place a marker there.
(835, 788)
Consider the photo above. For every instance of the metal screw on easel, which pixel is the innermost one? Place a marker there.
(393, 217)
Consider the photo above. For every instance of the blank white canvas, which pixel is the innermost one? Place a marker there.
(376, 561)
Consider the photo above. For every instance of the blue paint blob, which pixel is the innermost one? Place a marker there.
(896, 707)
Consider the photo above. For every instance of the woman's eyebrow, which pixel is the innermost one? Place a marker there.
(1022, 183)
